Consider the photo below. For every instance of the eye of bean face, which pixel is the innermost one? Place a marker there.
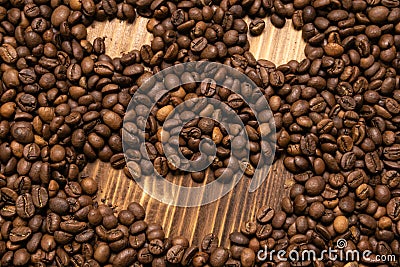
(63, 102)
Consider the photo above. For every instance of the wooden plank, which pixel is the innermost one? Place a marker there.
(225, 215)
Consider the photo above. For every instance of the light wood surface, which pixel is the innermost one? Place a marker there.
(225, 215)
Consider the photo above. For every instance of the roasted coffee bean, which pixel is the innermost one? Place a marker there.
(200, 258)
(393, 208)
(247, 257)
(8, 53)
(40, 196)
(175, 254)
(24, 206)
(235, 101)
(21, 257)
(210, 243)
(89, 186)
(308, 144)
(257, 27)
(59, 15)
(248, 228)
(19, 234)
(180, 240)
(144, 256)
(59, 205)
(125, 258)
(238, 238)
(156, 247)
(189, 255)
(219, 257)
(265, 214)
(198, 44)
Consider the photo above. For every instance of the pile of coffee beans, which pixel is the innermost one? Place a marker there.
(223, 119)
(63, 100)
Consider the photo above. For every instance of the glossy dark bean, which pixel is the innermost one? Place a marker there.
(218, 257)
(257, 27)
(209, 243)
(265, 214)
(175, 254)
(24, 206)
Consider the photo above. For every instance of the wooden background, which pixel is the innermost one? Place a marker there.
(225, 215)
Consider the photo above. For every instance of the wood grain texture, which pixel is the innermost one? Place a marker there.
(225, 215)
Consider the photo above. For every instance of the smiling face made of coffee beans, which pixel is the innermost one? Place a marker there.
(63, 100)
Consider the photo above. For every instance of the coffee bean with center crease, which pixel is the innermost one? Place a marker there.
(189, 255)
(209, 243)
(308, 144)
(39, 196)
(198, 44)
(103, 68)
(265, 214)
(118, 161)
(20, 233)
(156, 246)
(31, 152)
(256, 27)
(24, 206)
(235, 101)
(8, 53)
(393, 208)
(161, 166)
(248, 228)
(144, 256)
(175, 254)
(208, 88)
(373, 162)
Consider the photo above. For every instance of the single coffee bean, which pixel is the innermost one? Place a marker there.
(247, 257)
(24, 206)
(59, 205)
(21, 257)
(256, 27)
(8, 53)
(265, 214)
(125, 258)
(198, 44)
(393, 208)
(19, 234)
(239, 238)
(175, 254)
(219, 257)
(40, 196)
(144, 256)
(209, 243)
